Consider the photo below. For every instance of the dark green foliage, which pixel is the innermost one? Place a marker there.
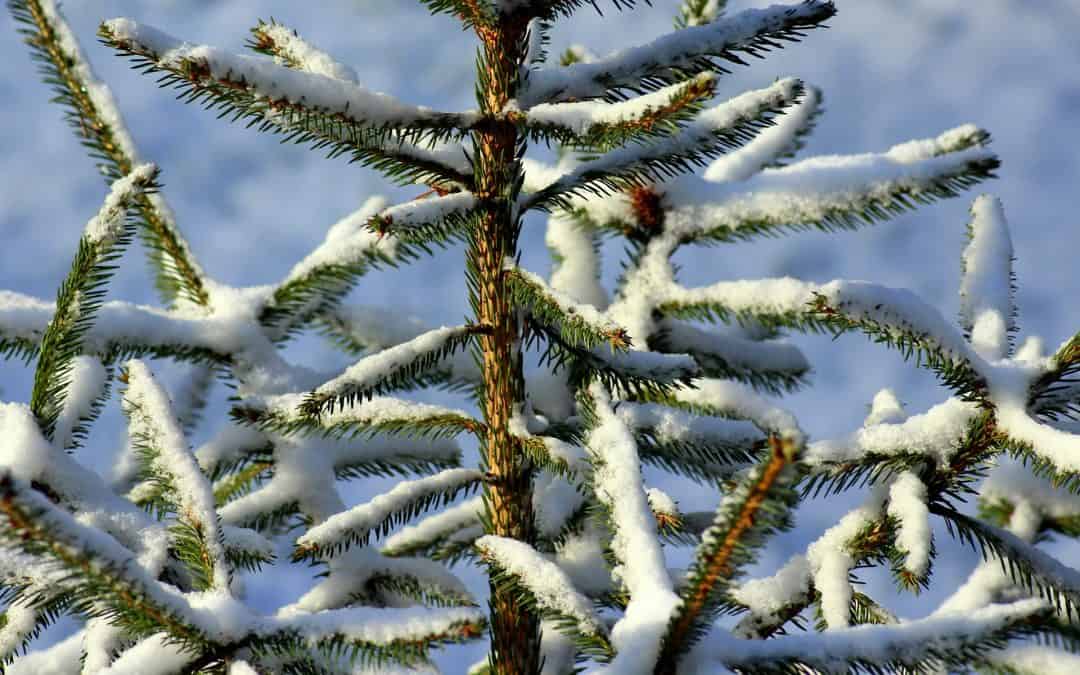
(98, 586)
(433, 425)
(387, 149)
(572, 327)
(77, 302)
(878, 206)
(953, 371)
(665, 118)
(405, 373)
(757, 506)
(176, 274)
(1030, 568)
(619, 171)
(423, 498)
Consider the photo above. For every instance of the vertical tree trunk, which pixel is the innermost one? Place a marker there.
(515, 641)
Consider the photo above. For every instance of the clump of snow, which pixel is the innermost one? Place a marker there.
(360, 520)
(703, 134)
(87, 382)
(268, 80)
(768, 145)
(576, 271)
(292, 50)
(104, 228)
(456, 518)
(986, 294)
(907, 504)
(566, 304)
(550, 585)
(733, 399)
(152, 422)
(885, 408)
(376, 368)
(936, 433)
(641, 567)
(909, 641)
(1015, 482)
(347, 240)
(428, 211)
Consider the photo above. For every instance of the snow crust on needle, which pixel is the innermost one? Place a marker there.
(567, 304)
(736, 400)
(835, 650)
(87, 383)
(899, 309)
(672, 425)
(431, 529)
(826, 565)
(358, 567)
(550, 585)
(102, 99)
(377, 625)
(581, 117)
(675, 50)
(347, 240)
(108, 225)
(696, 137)
(764, 296)
(936, 434)
(293, 49)
(1015, 482)
(735, 351)
(211, 613)
(617, 480)
(372, 369)
(769, 144)
(305, 472)
(375, 411)
(812, 190)
(152, 420)
(986, 293)
(275, 82)
(428, 211)
(63, 658)
(155, 655)
(231, 329)
(28, 456)
(1010, 386)
(360, 520)
(907, 504)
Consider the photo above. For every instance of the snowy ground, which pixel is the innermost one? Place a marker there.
(891, 70)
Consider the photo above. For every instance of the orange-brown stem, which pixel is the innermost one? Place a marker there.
(515, 643)
(718, 565)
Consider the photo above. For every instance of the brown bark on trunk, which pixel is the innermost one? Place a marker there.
(515, 643)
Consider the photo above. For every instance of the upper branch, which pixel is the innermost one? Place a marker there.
(372, 128)
(94, 116)
(80, 296)
(725, 127)
(675, 55)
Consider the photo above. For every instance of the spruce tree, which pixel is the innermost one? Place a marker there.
(655, 374)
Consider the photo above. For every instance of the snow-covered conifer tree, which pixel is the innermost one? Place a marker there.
(151, 562)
